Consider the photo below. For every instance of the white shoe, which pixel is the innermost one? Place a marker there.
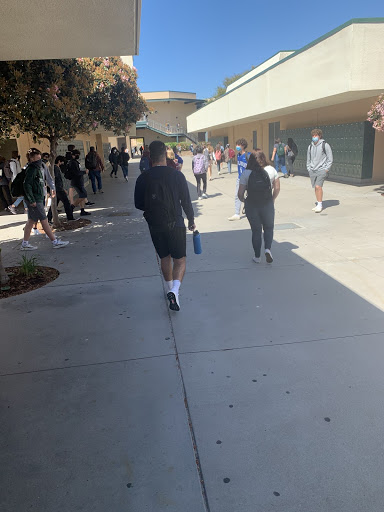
(126, 178)
(318, 209)
(200, 198)
(313, 209)
(204, 196)
(58, 244)
(35, 231)
(26, 246)
(268, 256)
(218, 173)
(256, 260)
(234, 217)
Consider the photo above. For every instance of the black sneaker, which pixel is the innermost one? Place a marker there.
(84, 213)
(89, 203)
(173, 301)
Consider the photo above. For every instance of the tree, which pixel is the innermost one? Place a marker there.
(222, 89)
(376, 114)
(58, 99)
(4, 278)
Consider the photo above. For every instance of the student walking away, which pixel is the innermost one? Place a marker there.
(228, 155)
(199, 168)
(5, 181)
(61, 193)
(319, 163)
(141, 150)
(262, 184)
(95, 167)
(279, 155)
(124, 159)
(162, 193)
(242, 161)
(76, 175)
(211, 158)
(218, 156)
(145, 161)
(291, 153)
(34, 194)
(180, 161)
(15, 169)
(114, 158)
(171, 159)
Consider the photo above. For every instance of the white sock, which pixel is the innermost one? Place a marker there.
(320, 203)
(169, 285)
(176, 286)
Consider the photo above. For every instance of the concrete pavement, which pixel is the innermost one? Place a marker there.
(263, 393)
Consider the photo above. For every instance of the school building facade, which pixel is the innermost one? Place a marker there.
(330, 84)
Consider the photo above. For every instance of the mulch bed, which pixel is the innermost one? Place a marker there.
(19, 283)
(68, 225)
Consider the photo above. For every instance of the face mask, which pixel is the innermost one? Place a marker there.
(238, 148)
(315, 139)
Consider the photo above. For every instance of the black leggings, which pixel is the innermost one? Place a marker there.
(62, 196)
(6, 195)
(200, 177)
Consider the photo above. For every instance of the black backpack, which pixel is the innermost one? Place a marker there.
(17, 185)
(91, 161)
(68, 171)
(259, 189)
(144, 163)
(160, 211)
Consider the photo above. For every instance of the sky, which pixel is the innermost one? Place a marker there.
(192, 46)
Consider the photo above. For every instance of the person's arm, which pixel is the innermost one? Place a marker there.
(13, 167)
(193, 163)
(185, 200)
(28, 181)
(240, 194)
(329, 155)
(100, 163)
(276, 188)
(273, 154)
(140, 193)
(49, 179)
(309, 158)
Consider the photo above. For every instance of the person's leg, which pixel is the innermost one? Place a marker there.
(210, 170)
(48, 230)
(198, 178)
(92, 177)
(71, 191)
(237, 200)
(18, 201)
(288, 163)
(7, 195)
(62, 196)
(28, 229)
(267, 214)
(319, 193)
(204, 178)
(229, 167)
(179, 266)
(50, 214)
(99, 182)
(167, 268)
(218, 167)
(254, 220)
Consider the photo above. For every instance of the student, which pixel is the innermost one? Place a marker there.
(114, 158)
(319, 163)
(291, 153)
(279, 153)
(34, 195)
(95, 167)
(199, 168)
(77, 182)
(61, 194)
(228, 155)
(145, 161)
(124, 159)
(162, 193)
(171, 158)
(211, 153)
(218, 157)
(242, 160)
(180, 161)
(262, 184)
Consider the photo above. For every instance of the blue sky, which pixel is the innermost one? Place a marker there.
(192, 46)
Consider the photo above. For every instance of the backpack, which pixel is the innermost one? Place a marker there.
(144, 163)
(17, 186)
(91, 160)
(280, 150)
(160, 211)
(68, 171)
(218, 156)
(259, 189)
(199, 165)
(231, 153)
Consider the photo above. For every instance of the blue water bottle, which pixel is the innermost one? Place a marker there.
(197, 242)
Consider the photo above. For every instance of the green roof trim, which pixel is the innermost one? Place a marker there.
(353, 21)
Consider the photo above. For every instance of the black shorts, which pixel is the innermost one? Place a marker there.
(80, 189)
(172, 242)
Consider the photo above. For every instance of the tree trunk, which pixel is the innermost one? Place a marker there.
(4, 278)
(53, 153)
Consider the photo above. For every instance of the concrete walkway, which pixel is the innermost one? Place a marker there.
(263, 394)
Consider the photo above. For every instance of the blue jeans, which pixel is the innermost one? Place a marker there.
(93, 176)
(229, 166)
(18, 201)
(261, 218)
(280, 164)
(125, 170)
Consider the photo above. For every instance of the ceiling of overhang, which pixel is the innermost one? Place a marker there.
(61, 29)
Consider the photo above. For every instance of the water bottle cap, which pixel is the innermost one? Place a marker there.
(196, 232)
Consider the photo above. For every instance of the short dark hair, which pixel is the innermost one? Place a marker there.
(277, 141)
(253, 163)
(33, 151)
(242, 142)
(92, 148)
(75, 152)
(45, 155)
(199, 149)
(59, 158)
(71, 147)
(157, 151)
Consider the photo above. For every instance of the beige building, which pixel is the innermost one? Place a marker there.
(167, 118)
(331, 83)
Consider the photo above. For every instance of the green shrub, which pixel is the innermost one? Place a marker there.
(28, 265)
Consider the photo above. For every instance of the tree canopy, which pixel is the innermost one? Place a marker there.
(376, 114)
(221, 89)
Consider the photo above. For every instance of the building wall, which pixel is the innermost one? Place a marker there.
(171, 112)
(149, 136)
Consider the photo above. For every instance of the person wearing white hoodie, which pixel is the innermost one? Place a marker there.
(319, 162)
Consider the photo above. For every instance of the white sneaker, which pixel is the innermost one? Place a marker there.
(204, 196)
(268, 256)
(200, 198)
(126, 178)
(58, 244)
(35, 231)
(256, 260)
(26, 246)
(318, 209)
(234, 217)
(313, 209)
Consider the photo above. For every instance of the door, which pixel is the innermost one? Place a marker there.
(255, 140)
